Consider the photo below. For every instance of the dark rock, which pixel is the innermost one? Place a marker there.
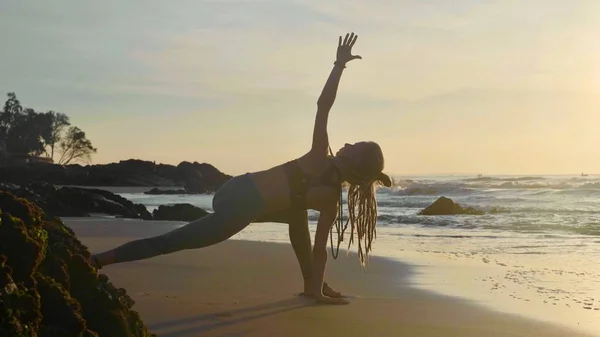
(75, 201)
(196, 177)
(156, 191)
(142, 212)
(201, 178)
(495, 210)
(47, 287)
(98, 201)
(179, 212)
(445, 206)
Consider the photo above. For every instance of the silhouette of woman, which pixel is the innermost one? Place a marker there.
(283, 194)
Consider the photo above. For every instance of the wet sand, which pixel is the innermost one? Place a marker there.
(244, 288)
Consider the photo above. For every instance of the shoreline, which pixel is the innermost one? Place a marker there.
(210, 276)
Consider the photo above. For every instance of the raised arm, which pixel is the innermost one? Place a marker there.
(325, 102)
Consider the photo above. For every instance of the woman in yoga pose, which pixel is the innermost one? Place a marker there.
(284, 194)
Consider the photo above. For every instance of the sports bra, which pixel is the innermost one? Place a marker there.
(300, 182)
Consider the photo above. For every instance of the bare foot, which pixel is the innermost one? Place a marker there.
(93, 261)
(329, 300)
(327, 291)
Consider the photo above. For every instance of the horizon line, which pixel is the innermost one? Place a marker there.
(393, 174)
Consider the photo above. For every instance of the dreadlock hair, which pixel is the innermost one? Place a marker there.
(363, 177)
(362, 207)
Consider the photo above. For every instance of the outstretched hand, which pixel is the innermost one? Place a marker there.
(344, 50)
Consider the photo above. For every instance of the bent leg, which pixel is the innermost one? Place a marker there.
(300, 239)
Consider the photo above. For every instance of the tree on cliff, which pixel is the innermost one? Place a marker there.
(59, 122)
(12, 107)
(24, 131)
(75, 146)
(10, 112)
(21, 129)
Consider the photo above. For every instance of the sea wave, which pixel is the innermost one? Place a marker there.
(457, 188)
(531, 205)
(505, 179)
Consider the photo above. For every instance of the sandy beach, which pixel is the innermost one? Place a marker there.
(244, 288)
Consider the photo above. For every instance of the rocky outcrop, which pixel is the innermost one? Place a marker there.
(178, 212)
(47, 287)
(158, 191)
(446, 206)
(194, 177)
(200, 178)
(75, 201)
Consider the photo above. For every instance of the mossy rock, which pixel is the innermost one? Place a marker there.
(47, 287)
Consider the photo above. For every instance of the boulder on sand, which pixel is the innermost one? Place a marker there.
(178, 212)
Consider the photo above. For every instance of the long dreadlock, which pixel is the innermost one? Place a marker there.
(361, 199)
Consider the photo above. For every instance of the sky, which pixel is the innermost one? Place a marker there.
(463, 87)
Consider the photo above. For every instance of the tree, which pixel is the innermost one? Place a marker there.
(22, 130)
(58, 122)
(25, 135)
(12, 108)
(74, 146)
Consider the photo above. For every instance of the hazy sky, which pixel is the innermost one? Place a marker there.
(493, 87)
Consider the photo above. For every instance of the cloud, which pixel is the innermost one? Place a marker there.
(205, 74)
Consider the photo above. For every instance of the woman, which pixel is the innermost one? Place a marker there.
(283, 194)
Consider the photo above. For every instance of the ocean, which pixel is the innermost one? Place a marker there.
(539, 251)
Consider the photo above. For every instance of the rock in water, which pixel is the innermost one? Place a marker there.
(446, 206)
(156, 191)
(178, 212)
(47, 287)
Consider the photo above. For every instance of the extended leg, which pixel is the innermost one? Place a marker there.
(206, 231)
(236, 204)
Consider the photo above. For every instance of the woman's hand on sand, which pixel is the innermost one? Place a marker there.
(344, 50)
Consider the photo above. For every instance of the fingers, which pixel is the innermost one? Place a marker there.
(349, 40)
(353, 40)
(355, 57)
